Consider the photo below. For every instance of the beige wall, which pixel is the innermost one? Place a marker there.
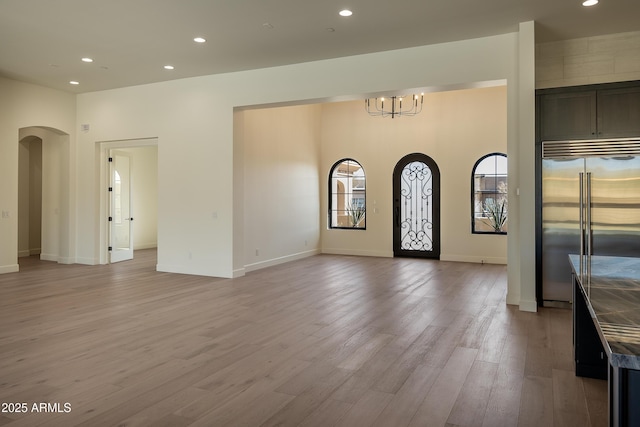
(600, 59)
(289, 151)
(144, 196)
(455, 129)
(30, 196)
(282, 190)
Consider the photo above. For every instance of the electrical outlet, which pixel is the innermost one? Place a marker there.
(5, 214)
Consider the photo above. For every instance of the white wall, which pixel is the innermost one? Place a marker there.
(24, 105)
(455, 129)
(281, 188)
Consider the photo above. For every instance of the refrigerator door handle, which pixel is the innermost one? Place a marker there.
(581, 224)
(588, 221)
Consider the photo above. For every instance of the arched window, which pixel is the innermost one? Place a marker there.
(489, 208)
(347, 200)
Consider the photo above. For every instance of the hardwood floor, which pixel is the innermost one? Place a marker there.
(328, 340)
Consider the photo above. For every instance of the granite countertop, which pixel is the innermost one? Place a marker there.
(612, 289)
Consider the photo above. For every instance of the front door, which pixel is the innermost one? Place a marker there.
(416, 207)
(120, 219)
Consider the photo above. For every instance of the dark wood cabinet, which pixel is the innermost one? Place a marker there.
(589, 354)
(619, 113)
(589, 112)
(568, 116)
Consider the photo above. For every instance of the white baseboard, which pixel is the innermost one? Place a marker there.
(513, 298)
(357, 252)
(49, 257)
(29, 252)
(276, 261)
(87, 261)
(13, 268)
(240, 272)
(473, 259)
(184, 269)
(141, 246)
(531, 306)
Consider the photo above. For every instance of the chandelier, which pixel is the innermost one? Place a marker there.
(394, 105)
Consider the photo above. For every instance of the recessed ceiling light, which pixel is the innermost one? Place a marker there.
(345, 12)
(73, 82)
(590, 2)
(169, 67)
(199, 40)
(87, 60)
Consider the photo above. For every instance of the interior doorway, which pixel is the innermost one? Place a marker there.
(121, 241)
(30, 196)
(128, 198)
(45, 195)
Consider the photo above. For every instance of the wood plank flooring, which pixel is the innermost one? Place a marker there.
(324, 341)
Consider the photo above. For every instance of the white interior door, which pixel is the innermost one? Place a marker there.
(120, 212)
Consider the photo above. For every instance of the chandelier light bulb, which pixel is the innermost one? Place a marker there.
(376, 106)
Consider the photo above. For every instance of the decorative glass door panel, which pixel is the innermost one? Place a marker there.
(416, 231)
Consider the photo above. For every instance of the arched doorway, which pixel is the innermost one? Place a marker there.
(30, 196)
(416, 207)
(44, 194)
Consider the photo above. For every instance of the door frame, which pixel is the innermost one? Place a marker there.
(116, 254)
(435, 173)
(102, 156)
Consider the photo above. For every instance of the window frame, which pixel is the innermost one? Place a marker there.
(361, 192)
(496, 175)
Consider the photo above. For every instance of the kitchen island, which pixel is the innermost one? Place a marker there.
(606, 329)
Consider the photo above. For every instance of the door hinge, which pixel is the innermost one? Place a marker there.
(110, 159)
(110, 218)
(110, 248)
(110, 188)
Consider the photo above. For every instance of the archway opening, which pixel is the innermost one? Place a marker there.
(30, 196)
(44, 194)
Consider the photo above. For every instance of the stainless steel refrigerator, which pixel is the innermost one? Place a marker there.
(590, 206)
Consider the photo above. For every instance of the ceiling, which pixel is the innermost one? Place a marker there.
(43, 41)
